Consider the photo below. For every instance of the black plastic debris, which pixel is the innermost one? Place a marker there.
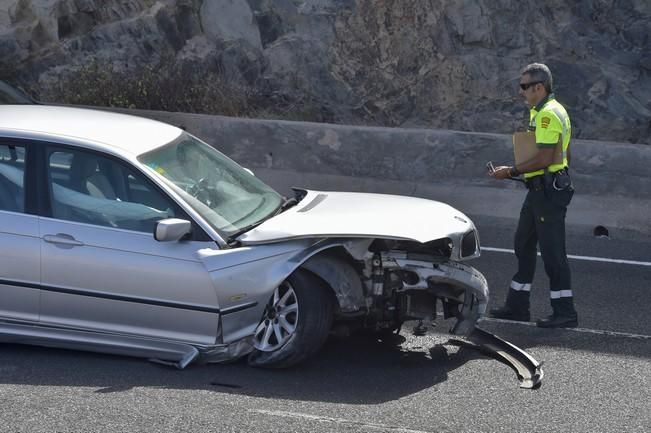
(528, 370)
(601, 232)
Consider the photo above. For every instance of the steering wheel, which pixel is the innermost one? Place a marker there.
(196, 189)
(200, 191)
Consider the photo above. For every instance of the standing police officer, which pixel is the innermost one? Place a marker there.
(542, 217)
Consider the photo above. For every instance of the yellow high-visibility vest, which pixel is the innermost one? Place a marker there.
(550, 122)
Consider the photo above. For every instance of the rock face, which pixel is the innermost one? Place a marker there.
(430, 63)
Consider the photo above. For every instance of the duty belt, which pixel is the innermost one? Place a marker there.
(537, 183)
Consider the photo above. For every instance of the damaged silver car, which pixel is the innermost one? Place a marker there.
(129, 236)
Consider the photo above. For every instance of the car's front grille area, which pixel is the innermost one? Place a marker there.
(415, 250)
(469, 244)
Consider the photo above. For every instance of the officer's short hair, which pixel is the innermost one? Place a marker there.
(540, 72)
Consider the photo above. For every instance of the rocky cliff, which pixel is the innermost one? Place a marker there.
(441, 64)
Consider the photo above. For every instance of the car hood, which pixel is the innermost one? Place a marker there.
(360, 215)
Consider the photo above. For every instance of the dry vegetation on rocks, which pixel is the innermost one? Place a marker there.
(447, 64)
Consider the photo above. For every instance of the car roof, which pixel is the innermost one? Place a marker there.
(101, 130)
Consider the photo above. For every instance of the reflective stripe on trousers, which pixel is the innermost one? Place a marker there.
(556, 294)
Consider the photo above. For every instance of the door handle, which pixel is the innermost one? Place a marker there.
(63, 239)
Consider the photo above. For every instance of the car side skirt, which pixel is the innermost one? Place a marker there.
(177, 354)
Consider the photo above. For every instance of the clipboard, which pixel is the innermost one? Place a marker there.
(525, 148)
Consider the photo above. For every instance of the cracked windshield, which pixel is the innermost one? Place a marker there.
(226, 195)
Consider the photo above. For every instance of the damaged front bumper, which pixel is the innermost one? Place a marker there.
(528, 370)
(455, 283)
(467, 290)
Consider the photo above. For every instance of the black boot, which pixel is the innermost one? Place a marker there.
(564, 315)
(555, 321)
(515, 308)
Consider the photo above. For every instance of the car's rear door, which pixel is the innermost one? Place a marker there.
(103, 270)
(19, 238)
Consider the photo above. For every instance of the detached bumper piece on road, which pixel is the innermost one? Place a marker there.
(528, 370)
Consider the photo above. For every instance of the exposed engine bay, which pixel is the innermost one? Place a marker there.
(403, 281)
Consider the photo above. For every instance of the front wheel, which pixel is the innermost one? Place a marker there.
(295, 323)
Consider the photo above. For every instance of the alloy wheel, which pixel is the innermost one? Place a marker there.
(279, 320)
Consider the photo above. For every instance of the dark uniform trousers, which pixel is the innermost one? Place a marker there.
(542, 222)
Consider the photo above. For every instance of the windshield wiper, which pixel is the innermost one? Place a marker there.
(289, 202)
(286, 204)
(232, 239)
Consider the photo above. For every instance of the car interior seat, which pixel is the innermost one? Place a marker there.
(85, 178)
(7, 200)
(11, 188)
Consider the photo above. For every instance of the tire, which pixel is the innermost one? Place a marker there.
(313, 302)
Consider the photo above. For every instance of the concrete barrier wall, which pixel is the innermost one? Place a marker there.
(612, 180)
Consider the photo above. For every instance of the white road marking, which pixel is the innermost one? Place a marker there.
(582, 330)
(319, 418)
(586, 258)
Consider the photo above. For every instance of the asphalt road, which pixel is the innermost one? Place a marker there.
(596, 377)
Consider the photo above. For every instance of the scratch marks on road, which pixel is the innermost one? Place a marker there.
(337, 421)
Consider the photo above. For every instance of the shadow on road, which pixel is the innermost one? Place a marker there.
(355, 370)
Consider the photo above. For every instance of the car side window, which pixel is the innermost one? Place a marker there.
(89, 188)
(12, 175)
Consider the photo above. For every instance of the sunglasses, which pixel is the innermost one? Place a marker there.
(525, 86)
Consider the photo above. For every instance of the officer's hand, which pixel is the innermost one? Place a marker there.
(502, 172)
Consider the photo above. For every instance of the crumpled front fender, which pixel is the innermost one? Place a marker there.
(342, 277)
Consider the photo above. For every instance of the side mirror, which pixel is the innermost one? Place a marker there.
(171, 229)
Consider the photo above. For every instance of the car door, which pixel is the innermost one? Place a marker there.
(19, 240)
(103, 270)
